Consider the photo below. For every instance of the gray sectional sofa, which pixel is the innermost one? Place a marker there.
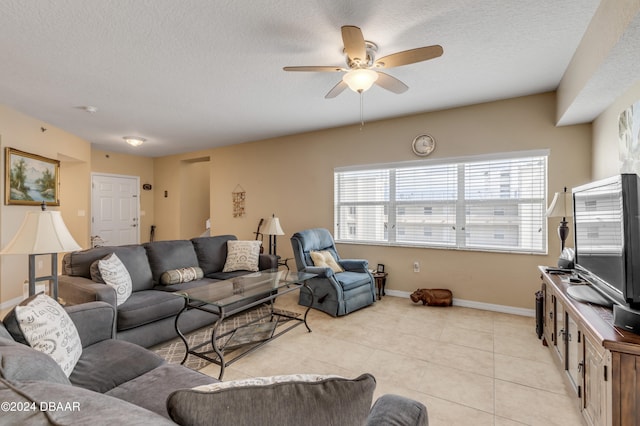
(117, 382)
(148, 315)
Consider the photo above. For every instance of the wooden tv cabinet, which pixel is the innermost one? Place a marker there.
(600, 362)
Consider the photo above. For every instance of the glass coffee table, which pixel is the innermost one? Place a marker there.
(230, 297)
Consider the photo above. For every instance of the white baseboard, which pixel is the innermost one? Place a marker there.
(9, 304)
(475, 305)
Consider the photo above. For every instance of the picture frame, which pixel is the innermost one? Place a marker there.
(30, 179)
(380, 268)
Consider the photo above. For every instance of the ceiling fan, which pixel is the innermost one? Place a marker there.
(361, 71)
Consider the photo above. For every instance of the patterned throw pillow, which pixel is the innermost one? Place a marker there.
(324, 259)
(183, 275)
(266, 381)
(115, 274)
(242, 256)
(48, 328)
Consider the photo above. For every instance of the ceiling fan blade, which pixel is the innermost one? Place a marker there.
(354, 43)
(314, 69)
(390, 83)
(337, 89)
(409, 56)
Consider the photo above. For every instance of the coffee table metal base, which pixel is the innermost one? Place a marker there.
(245, 343)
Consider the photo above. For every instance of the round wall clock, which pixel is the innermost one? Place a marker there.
(423, 145)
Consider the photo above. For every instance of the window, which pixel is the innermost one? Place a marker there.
(494, 203)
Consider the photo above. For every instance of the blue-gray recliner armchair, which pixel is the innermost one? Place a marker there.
(336, 293)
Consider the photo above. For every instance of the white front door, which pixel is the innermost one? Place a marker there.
(115, 210)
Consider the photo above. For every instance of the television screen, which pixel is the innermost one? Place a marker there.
(606, 236)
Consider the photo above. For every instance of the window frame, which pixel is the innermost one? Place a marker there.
(391, 205)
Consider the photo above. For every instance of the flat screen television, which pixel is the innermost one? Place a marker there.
(606, 216)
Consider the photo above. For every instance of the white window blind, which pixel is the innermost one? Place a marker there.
(483, 203)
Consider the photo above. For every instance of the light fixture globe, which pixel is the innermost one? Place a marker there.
(134, 140)
(360, 80)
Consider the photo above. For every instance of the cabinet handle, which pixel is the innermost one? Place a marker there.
(581, 367)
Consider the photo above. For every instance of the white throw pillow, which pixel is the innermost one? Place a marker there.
(242, 256)
(115, 274)
(47, 327)
(324, 259)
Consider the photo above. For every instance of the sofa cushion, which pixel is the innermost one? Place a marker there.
(242, 256)
(349, 280)
(114, 274)
(182, 275)
(185, 286)
(69, 405)
(212, 252)
(143, 307)
(110, 363)
(45, 326)
(4, 333)
(292, 401)
(166, 255)
(134, 258)
(21, 362)
(226, 275)
(136, 391)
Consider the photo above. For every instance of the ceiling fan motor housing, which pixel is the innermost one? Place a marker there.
(371, 49)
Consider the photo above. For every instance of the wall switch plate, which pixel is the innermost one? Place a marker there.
(416, 266)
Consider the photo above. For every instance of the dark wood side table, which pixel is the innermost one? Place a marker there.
(381, 281)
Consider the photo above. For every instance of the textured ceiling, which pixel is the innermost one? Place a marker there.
(194, 74)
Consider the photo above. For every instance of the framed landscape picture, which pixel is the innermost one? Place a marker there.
(30, 179)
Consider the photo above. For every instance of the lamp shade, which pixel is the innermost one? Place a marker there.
(41, 232)
(561, 205)
(360, 80)
(272, 227)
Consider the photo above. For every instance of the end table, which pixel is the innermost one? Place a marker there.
(381, 281)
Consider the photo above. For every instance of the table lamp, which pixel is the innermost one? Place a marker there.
(42, 232)
(272, 229)
(561, 207)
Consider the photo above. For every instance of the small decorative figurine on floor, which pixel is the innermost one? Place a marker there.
(433, 297)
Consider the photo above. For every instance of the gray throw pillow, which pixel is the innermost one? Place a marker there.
(293, 401)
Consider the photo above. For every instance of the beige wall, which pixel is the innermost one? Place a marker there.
(130, 165)
(606, 161)
(22, 132)
(182, 176)
(194, 208)
(292, 177)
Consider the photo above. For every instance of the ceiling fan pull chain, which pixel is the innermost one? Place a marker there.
(361, 109)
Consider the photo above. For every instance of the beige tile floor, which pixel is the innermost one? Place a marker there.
(468, 366)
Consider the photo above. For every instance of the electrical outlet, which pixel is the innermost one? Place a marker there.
(416, 266)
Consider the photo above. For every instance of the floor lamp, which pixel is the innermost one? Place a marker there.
(561, 207)
(42, 233)
(272, 229)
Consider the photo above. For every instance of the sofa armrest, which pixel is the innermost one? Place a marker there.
(76, 290)
(397, 410)
(267, 262)
(95, 321)
(319, 271)
(355, 265)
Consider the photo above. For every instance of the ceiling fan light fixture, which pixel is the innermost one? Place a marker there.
(134, 140)
(360, 80)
